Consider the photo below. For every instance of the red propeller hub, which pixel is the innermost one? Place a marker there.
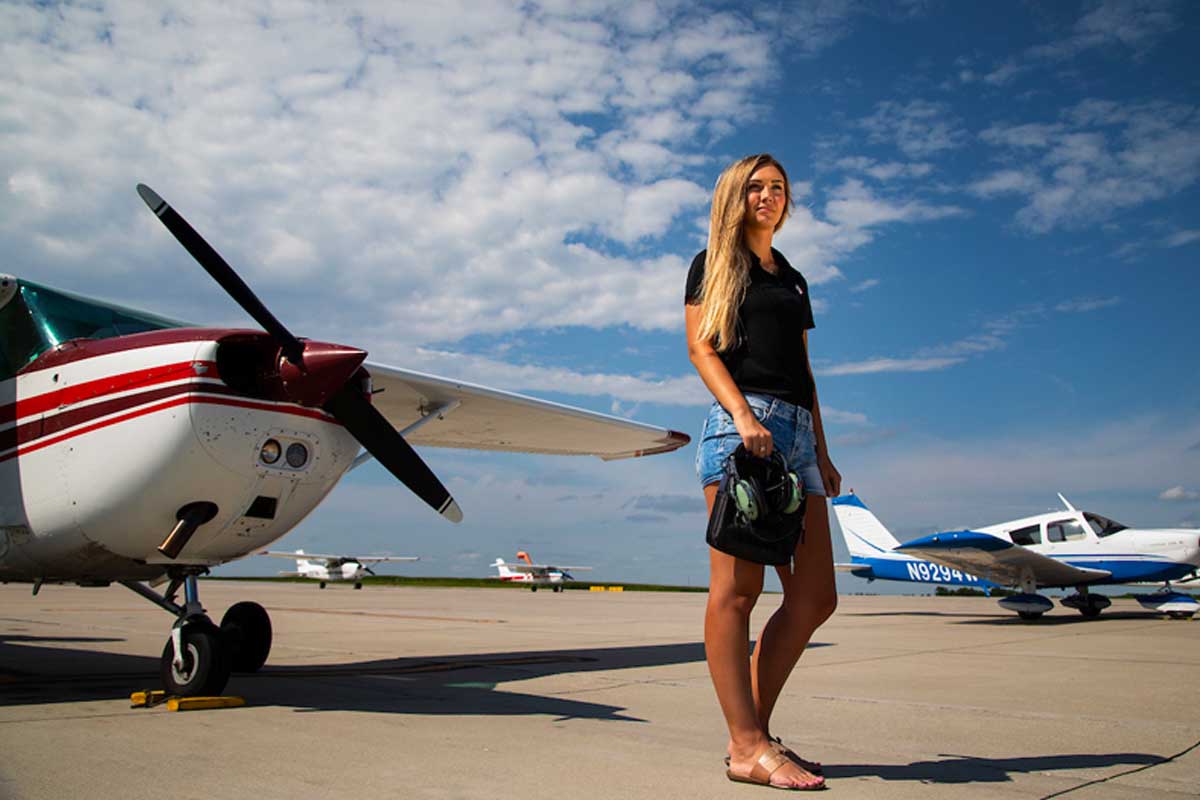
(324, 369)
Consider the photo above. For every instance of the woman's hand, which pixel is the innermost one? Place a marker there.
(755, 438)
(831, 479)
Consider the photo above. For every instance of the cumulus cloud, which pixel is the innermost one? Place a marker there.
(1098, 159)
(920, 128)
(1179, 494)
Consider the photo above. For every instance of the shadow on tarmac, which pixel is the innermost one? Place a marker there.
(1006, 618)
(970, 769)
(452, 685)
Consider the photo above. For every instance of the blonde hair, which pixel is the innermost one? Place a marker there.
(727, 264)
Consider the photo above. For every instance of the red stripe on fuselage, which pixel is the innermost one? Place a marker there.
(109, 384)
(194, 395)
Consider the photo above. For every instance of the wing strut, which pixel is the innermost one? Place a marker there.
(439, 412)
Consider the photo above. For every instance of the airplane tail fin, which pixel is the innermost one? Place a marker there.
(865, 535)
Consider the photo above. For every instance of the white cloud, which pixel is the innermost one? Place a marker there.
(920, 128)
(853, 205)
(1179, 494)
(876, 365)
(415, 156)
(1180, 238)
(1099, 159)
(1085, 304)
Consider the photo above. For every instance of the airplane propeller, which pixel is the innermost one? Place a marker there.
(316, 373)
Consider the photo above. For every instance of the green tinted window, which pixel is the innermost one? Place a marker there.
(38, 319)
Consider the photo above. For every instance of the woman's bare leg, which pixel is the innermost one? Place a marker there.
(809, 598)
(734, 587)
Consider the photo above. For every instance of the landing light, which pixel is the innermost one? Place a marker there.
(271, 451)
(297, 455)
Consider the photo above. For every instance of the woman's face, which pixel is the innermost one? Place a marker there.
(766, 197)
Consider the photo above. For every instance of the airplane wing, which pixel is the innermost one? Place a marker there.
(379, 559)
(997, 560)
(343, 559)
(310, 556)
(489, 419)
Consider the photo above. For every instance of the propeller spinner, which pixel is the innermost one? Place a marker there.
(317, 373)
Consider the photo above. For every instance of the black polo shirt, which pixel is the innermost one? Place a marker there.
(769, 356)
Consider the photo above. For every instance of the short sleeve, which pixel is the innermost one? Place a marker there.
(807, 322)
(695, 279)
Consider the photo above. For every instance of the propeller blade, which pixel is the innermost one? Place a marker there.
(223, 274)
(376, 434)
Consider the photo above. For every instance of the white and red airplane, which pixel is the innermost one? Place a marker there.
(326, 568)
(141, 450)
(534, 574)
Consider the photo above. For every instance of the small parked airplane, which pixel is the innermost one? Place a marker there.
(534, 574)
(325, 568)
(1054, 550)
(144, 451)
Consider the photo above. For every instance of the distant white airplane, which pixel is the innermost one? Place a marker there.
(325, 568)
(1058, 549)
(534, 574)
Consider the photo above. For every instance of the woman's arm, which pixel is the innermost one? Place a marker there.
(829, 474)
(716, 377)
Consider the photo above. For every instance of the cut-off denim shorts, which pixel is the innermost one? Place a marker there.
(792, 435)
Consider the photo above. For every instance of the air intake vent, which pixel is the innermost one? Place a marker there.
(262, 507)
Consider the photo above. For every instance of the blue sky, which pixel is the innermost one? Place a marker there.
(997, 214)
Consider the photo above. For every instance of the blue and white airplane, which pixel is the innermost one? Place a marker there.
(1054, 550)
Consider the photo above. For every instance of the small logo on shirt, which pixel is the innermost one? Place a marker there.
(799, 290)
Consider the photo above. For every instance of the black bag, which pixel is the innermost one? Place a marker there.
(772, 538)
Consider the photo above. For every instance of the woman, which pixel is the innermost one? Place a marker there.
(748, 316)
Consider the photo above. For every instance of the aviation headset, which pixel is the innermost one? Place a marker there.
(761, 487)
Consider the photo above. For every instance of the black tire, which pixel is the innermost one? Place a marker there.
(1091, 612)
(533, 588)
(246, 627)
(358, 586)
(1029, 615)
(205, 662)
(322, 584)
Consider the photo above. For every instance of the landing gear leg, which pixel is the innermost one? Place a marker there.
(196, 659)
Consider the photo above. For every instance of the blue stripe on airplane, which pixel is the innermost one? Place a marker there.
(950, 540)
(914, 571)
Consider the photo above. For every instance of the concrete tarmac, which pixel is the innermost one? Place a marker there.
(505, 693)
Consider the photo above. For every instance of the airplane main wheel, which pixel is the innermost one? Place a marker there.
(205, 668)
(246, 628)
(358, 586)
(1029, 615)
(1091, 612)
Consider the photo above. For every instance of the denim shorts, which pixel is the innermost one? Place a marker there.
(792, 434)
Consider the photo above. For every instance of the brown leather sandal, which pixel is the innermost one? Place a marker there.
(803, 763)
(768, 763)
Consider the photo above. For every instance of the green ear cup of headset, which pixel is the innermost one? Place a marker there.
(745, 497)
(795, 494)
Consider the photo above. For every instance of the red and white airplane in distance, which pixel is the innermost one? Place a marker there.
(143, 451)
(337, 569)
(534, 574)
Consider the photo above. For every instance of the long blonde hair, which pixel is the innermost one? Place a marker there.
(727, 264)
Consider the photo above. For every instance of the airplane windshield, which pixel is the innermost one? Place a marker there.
(1103, 526)
(37, 319)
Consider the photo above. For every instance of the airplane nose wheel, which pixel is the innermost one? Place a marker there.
(204, 665)
(246, 628)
